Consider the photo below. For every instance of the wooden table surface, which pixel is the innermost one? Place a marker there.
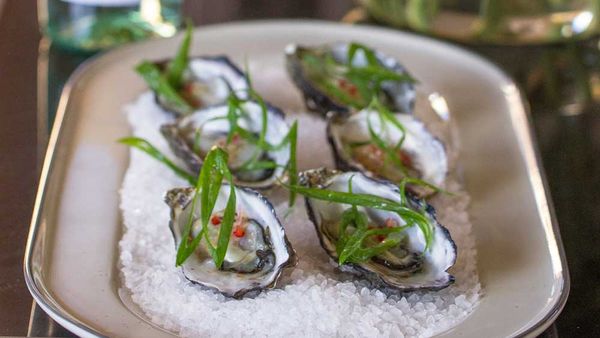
(561, 82)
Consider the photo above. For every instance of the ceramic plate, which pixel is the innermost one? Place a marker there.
(72, 252)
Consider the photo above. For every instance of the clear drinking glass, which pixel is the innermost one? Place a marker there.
(93, 25)
(491, 21)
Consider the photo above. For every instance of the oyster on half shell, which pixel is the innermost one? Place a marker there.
(207, 81)
(406, 266)
(192, 136)
(316, 72)
(258, 249)
(421, 153)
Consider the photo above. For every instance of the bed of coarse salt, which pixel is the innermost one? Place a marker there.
(312, 299)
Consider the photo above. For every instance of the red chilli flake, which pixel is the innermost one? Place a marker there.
(215, 220)
(352, 90)
(390, 223)
(239, 232)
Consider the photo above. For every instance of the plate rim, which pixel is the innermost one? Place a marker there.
(531, 154)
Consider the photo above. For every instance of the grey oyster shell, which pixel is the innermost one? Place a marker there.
(273, 254)
(193, 135)
(210, 79)
(415, 269)
(427, 154)
(402, 95)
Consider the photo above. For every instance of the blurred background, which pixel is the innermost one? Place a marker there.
(550, 47)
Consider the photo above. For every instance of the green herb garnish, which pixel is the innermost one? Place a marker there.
(350, 245)
(347, 82)
(167, 84)
(179, 63)
(160, 84)
(391, 152)
(208, 186)
(237, 111)
(151, 150)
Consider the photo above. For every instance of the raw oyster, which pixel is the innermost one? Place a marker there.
(326, 88)
(406, 266)
(258, 250)
(192, 136)
(207, 81)
(421, 153)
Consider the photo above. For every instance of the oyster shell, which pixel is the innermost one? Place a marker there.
(256, 254)
(423, 155)
(207, 81)
(192, 136)
(314, 81)
(408, 266)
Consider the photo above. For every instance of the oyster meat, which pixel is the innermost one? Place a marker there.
(328, 80)
(421, 154)
(258, 249)
(192, 136)
(409, 265)
(207, 81)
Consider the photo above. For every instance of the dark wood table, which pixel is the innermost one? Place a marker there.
(561, 82)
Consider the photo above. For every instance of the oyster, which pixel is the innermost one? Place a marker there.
(421, 154)
(407, 266)
(258, 250)
(321, 73)
(192, 136)
(207, 81)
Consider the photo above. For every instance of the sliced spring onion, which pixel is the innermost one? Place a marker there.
(208, 186)
(149, 149)
(179, 63)
(159, 84)
(410, 216)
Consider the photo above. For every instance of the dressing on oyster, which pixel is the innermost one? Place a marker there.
(258, 249)
(207, 81)
(329, 77)
(410, 265)
(422, 154)
(192, 136)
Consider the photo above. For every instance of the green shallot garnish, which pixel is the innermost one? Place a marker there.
(208, 186)
(392, 152)
(168, 82)
(179, 63)
(352, 85)
(151, 150)
(350, 245)
(160, 84)
(385, 116)
(236, 111)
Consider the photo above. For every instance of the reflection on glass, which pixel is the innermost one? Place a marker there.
(498, 21)
(92, 25)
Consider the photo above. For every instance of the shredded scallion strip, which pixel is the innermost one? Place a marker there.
(209, 183)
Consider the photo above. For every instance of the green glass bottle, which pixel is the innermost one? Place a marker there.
(93, 25)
